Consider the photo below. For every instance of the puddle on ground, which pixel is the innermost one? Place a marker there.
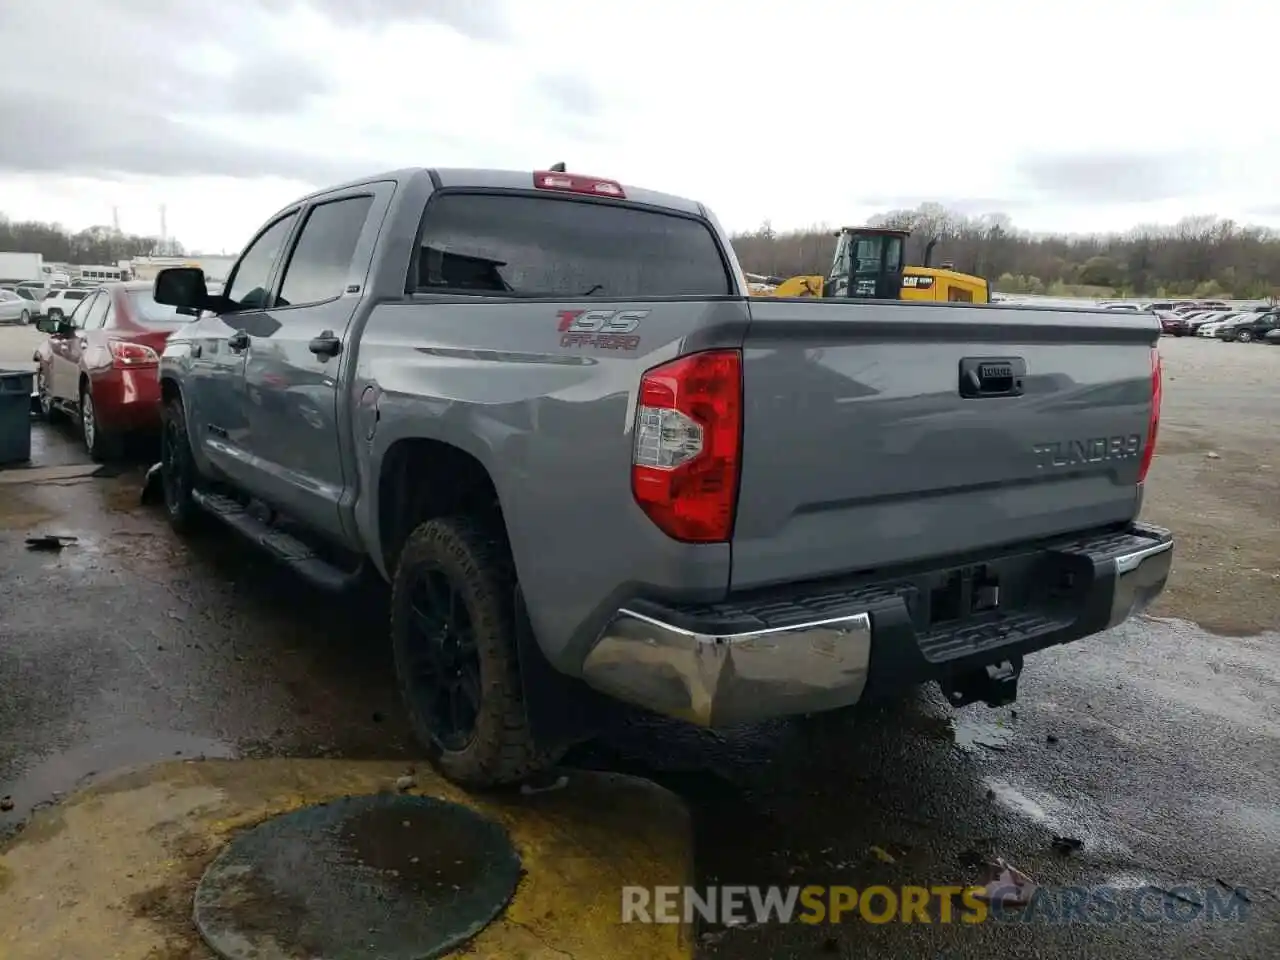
(55, 776)
(974, 732)
(412, 847)
(975, 729)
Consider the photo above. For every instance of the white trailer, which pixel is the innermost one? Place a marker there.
(17, 267)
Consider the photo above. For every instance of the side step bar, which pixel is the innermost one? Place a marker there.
(286, 548)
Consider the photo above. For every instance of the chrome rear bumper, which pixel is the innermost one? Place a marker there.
(713, 680)
(1140, 578)
(684, 666)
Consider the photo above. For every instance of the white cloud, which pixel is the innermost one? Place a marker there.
(1087, 117)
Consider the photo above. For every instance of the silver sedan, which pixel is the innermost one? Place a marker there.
(14, 309)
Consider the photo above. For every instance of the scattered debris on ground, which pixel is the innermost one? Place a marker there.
(883, 855)
(1007, 885)
(49, 541)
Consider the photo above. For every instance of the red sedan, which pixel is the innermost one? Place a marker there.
(100, 365)
(1173, 323)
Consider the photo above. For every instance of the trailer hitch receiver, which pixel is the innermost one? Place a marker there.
(996, 685)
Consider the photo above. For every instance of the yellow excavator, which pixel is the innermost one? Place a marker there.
(868, 265)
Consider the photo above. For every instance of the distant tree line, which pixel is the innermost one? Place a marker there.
(100, 245)
(1199, 256)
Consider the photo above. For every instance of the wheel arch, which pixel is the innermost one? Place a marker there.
(420, 479)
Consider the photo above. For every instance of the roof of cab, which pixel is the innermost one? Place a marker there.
(505, 180)
(523, 180)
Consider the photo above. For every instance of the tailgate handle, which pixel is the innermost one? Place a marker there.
(992, 376)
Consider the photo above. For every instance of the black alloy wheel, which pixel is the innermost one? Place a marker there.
(454, 637)
(177, 470)
(445, 668)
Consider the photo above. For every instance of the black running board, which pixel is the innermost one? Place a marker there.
(286, 548)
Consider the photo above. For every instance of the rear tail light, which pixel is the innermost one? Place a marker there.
(1153, 426)
(126, 355)
(688, 445)
(576, 183)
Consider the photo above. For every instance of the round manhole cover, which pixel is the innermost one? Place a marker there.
(388, 876)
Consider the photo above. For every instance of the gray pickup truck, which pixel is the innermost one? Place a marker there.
(541, 406)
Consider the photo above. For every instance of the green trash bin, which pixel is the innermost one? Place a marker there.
(16, 387)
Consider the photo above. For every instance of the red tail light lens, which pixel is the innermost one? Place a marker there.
(576, 183)
(1149, 451)
(126, 355)
(688, 444)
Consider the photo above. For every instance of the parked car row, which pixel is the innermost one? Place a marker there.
(1227, 324)
(1162, 306)
(1221, 326)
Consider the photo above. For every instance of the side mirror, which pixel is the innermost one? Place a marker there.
(47, 325)
(181, 287)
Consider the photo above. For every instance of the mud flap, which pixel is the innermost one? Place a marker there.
(562, 711)
(151, 486)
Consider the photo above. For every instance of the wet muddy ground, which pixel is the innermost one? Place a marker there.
(1157, 744)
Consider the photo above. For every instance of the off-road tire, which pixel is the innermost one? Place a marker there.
(185, 515)
(477, 563)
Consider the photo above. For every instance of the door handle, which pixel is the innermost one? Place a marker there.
(238, 341)
(992, 376)
(325, 345)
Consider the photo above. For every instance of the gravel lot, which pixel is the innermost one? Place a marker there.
(1216, 483)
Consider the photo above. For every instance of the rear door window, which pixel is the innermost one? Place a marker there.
(321, 258)
(511, 245)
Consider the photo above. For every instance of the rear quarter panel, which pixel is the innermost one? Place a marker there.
(551, 420)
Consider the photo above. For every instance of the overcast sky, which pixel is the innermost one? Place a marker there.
(1077, 117)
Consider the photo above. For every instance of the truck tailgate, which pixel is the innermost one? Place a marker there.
(884, 434)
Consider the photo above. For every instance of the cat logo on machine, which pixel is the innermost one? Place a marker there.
(603, 329)
(917, 283)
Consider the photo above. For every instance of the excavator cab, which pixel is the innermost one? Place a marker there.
(867, 264)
